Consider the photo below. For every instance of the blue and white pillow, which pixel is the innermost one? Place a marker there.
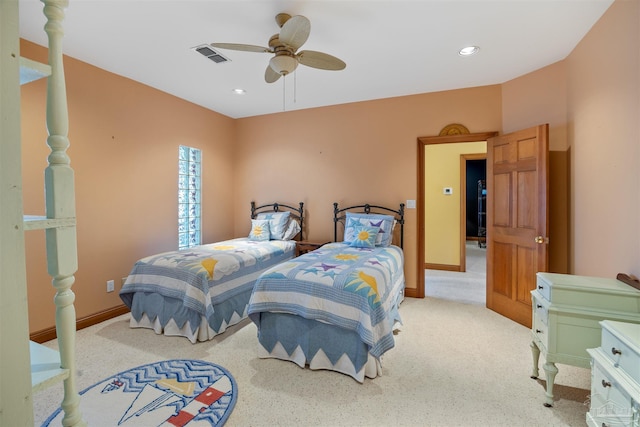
(383, 222)
(260, 230)
(364, 237)
(278, 222)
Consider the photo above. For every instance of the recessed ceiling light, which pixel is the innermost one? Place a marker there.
(239, 91)
(468, 51)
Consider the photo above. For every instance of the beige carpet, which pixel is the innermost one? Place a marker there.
(453, 365)
(468, 287)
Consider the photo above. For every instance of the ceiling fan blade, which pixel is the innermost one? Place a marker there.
(295, 31)
(242, 47)
(270, 75)
(320, 60)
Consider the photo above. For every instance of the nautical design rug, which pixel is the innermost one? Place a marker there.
(180, 392)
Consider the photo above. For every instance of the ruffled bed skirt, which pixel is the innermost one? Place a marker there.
(371, 369)
(316, 344)
(202, 332)
(320, 345)
(169, 316)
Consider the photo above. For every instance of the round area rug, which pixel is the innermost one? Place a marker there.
(169, 393)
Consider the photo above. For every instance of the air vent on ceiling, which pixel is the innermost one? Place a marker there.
(207, 50)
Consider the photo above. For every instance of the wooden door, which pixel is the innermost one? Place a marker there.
(517, 219)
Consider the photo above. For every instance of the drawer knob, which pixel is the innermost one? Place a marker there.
(540, 287)
(615, 351)
(538, 331)
(606, 384)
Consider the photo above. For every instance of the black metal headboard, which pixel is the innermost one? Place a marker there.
(296, 213)
(340, 215)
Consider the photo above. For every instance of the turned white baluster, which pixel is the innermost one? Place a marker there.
(62, 258)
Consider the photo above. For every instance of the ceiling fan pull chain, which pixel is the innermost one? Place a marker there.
(284, 87)
(295, 86)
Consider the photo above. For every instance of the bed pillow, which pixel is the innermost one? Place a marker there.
(259, 230)
(292, 229)
(277, 223)
(383, 222)
(364, 237)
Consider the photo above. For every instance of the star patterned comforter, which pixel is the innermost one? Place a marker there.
(204, 286)
(356, 289)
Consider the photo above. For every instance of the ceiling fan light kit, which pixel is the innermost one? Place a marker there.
(283, 64)
(294, 31)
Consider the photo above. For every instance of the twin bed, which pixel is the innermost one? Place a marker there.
(334, 308)
(199, 292)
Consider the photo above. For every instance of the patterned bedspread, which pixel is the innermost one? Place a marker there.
(337, 284)
(203, 276)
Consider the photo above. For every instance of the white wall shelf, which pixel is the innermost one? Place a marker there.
(45, 367)
(41, 222)
(31, 71)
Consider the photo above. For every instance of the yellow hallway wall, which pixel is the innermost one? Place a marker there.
(124, 149)
(442, 211)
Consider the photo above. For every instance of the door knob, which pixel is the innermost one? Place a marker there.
(541, 239)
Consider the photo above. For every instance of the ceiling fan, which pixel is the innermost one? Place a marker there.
(294, 31)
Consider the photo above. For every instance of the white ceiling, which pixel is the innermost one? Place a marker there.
(392, 48)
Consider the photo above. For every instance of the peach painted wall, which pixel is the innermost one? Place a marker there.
(591, 101)
(124, 149)
(604, 136)
(442, 216)
(351, 154)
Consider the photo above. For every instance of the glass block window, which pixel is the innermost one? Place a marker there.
(189, 169)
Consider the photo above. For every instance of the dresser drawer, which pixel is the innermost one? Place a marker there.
(540, 324)
(603, 419)
(565, 333)
(603, 414)
(618, 345)
(540, 309)
(610, 402)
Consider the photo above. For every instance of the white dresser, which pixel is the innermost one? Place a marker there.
(566, 313)
(615, 377)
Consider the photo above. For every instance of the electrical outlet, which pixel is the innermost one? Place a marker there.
(110, 286)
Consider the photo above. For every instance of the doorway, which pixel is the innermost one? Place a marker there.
(423, 142)
(467, 285)
(517, 215)
(475, 166)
